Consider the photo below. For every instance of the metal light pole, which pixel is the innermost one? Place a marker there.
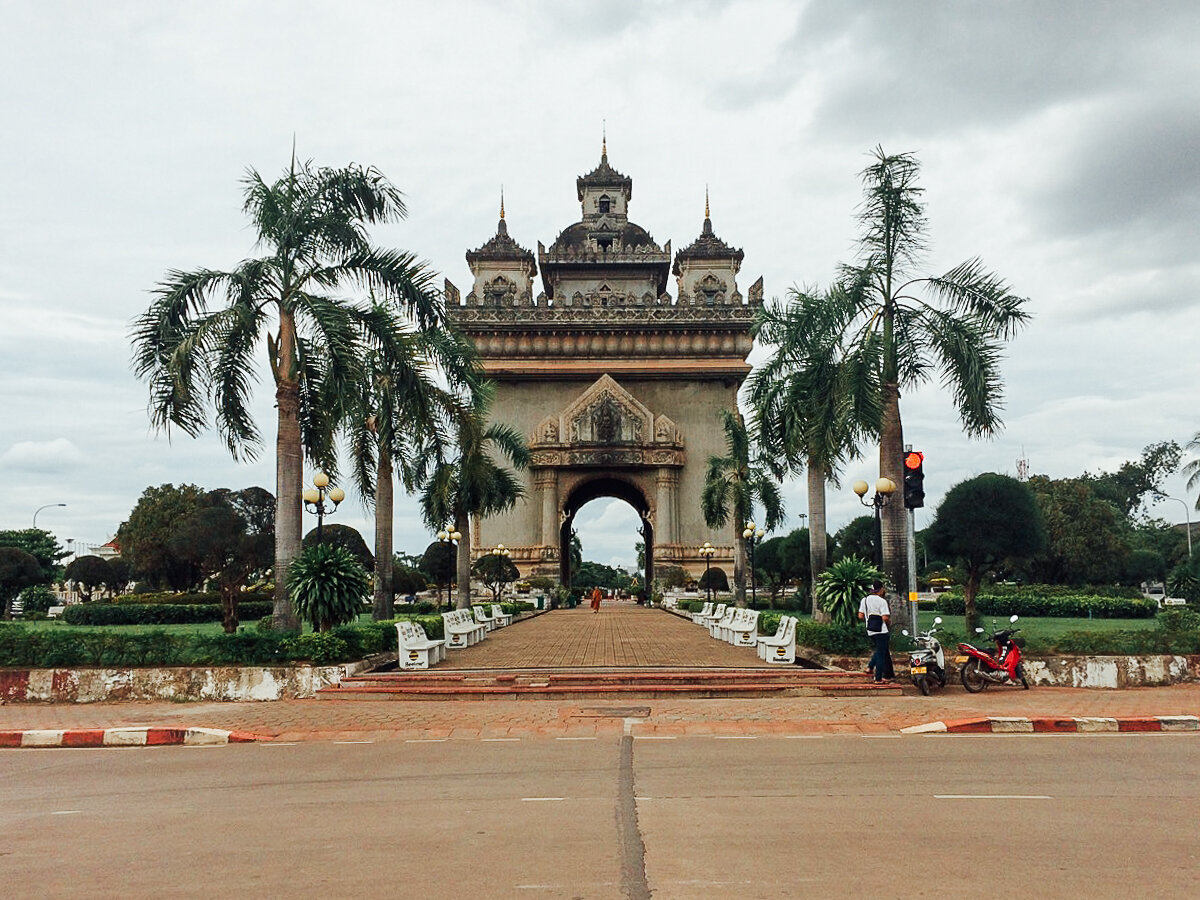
(1187, 517)
(451, 537)
(884, 488)
(752, 533)
(317, 497)
(501, 553)
(40, 508)
(707, 552)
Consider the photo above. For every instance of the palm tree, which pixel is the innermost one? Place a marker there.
(955, 331)
(1192, 467)
(474, 484)
(401, 417)
(732, 484)
(814, 401)
(312, 222)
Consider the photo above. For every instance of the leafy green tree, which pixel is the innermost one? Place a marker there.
(408, 580)
(118, 577)
(440, 561)
(475, 484)
(41, 545)
(145, 537)
(18, 570)
(313, 224)
(917, 326)
(670, 576)
(1128, 487)
(495, 572)
(36, 600)
(337, 535)
(856, 538)
(716, 577)
(328, 586)
(983, 522)
(815, 399)
(1192, 467)
(88, 573)
(732, 485)
(1087, 537)
(400, 417)
(227, 543)
(594, 574)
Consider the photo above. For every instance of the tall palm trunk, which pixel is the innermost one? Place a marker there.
(383, 606)
(894, 517)
(289, 471)
(818, 548)
(289, 485)
(462, 524)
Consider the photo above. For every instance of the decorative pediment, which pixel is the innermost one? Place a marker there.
(606, 416)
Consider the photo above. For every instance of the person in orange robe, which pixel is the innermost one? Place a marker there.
(596, 595)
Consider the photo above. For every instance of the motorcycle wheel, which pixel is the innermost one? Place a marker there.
(923, 685)
(1021, 676)
(972, 677)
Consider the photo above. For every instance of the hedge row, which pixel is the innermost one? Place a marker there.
(1058, 590)
(1036, 602)
(175, 598)
(159, 613)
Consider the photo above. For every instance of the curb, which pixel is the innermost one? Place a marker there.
(123, 737)
(1056, 724)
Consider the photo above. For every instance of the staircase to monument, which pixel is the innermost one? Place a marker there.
(606, 683)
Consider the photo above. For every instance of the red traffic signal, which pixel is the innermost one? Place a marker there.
(914, 479)
(913, 459)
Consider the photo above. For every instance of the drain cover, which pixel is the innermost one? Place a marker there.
(616, 712)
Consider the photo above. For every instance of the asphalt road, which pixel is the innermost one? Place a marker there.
(611, 817)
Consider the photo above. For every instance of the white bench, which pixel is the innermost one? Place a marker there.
(55, 611)
(743, 630)
(502, 618)
(718, 613)
(414, 648)
(715, 626)
(461, 629)
(484, 618)
(781, 646)
(706, 610)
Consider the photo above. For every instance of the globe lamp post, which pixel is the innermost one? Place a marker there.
(322, 500)
(451, 537)
(707, 552)
(501, 554)
(884, 488)
(752, 535)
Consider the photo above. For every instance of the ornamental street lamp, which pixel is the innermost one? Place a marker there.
(884, 488)
(40, 508)
(451, 537)
(753, 534)
(501, 555)
(707, 552)
(1187, 517)
(322, 500)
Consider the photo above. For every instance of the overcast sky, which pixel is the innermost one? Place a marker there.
(1060, 142)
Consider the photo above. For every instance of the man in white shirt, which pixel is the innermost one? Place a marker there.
(875, 612)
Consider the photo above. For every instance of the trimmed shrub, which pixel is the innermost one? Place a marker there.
(327, 585)
(1033, 601)
(320, 648)
(158, 613)
(37, 599)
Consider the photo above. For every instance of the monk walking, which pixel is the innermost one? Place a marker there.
(596, 595)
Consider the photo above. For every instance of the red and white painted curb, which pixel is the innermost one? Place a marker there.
(1055, 724)
(122, 737)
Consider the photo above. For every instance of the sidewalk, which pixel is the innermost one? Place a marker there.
(316, 720)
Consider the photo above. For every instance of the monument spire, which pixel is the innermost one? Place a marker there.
(502, 202)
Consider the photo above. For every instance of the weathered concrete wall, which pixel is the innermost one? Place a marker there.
(234, 683)
(1073, 671)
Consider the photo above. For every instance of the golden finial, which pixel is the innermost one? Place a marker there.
(604, 140)
(502, 201)
(706, 215)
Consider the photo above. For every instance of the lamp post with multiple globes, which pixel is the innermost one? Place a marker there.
(451, 537)
(707, 552)
(322, 500)
(752, 535)
(884, 488)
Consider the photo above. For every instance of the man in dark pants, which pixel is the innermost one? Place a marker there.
(874, 611)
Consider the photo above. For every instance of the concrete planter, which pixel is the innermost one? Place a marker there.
(227, 683)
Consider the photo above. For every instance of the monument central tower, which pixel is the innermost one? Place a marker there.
(616, 385)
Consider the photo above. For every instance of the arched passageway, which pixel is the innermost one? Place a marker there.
(594, 489)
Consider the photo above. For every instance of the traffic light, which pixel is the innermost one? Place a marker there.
(914, 479)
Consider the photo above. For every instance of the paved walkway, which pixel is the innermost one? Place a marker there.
(621, 634)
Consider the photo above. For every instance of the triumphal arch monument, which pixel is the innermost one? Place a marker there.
(616, 385)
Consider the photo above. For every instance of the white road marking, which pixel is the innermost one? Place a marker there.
(992, 797)
(66, 812)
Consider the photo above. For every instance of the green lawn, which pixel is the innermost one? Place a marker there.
(1041, 628)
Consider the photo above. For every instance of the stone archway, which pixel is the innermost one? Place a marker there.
(594, 487)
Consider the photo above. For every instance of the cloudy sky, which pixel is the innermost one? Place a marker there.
(1059, 141)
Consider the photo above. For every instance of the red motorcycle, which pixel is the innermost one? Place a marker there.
(978, 668)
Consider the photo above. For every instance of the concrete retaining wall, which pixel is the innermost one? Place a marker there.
(1074, 671)
(225, 683)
